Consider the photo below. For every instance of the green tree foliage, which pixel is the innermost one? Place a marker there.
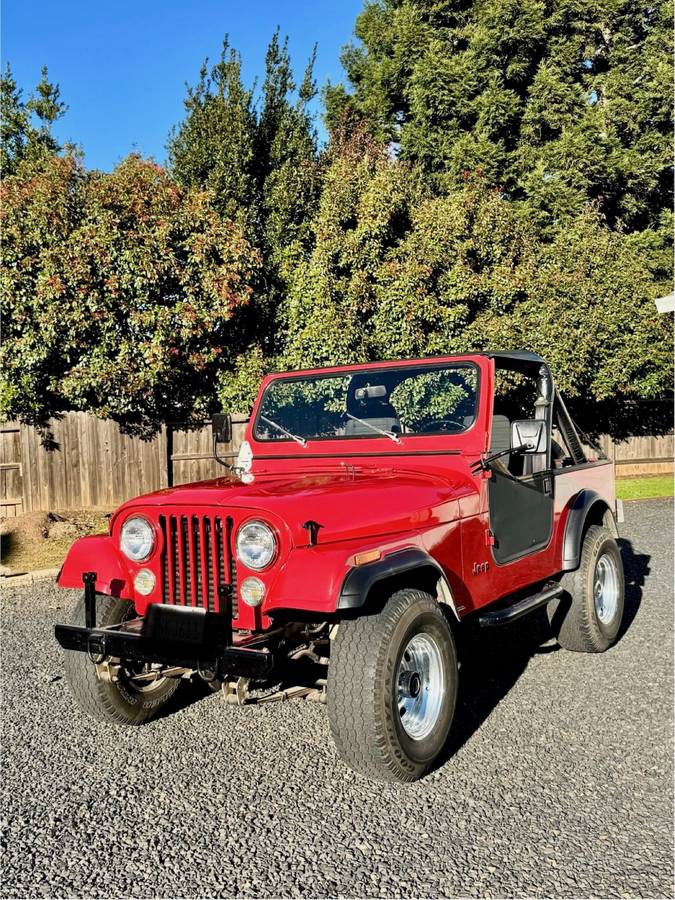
(363, 214)
(287, 154)
(26, 127)
(288, 185)
(495, 178)
(214, 147)
(330, 296)
(120, 294)
(560, 102)
(260, 164)
(14, 123)
(397, 272)
(268, 151)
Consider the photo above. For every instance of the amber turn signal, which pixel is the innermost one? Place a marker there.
(368, 556)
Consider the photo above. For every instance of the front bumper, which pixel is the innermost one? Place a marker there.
(190, 637)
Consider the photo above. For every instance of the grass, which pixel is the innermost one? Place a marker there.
(644, 487)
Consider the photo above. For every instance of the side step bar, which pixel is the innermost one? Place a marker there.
(550, 591)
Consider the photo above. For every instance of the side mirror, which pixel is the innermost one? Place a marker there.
(221, 428)
(529, 434)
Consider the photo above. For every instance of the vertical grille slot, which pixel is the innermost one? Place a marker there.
(183, 559)
(167, 568)
(197, 558)
(232, 574)
(215, 560)
(193, 555)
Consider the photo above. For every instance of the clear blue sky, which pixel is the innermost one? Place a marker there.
(122, 66)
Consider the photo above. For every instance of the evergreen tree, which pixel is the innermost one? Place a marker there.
(214, 147)
(26, 128)
(46, 106)
(272, 162)
(260, 166)
(14, 123)
(287, 153)
(560, 102)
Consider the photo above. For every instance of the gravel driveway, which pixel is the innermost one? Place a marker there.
(558, 780)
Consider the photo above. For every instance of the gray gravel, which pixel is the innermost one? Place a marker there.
(558, 780)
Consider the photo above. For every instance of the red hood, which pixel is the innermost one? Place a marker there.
(345, 504)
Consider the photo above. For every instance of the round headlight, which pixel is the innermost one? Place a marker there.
(256, 545)
(137, 538)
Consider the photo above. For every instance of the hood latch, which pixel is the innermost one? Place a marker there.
(312, 529)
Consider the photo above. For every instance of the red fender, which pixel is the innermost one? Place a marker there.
(328, 566)
(97, 553)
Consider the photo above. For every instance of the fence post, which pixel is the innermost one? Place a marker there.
(168, 428)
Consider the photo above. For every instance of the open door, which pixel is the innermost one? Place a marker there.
(520, 489)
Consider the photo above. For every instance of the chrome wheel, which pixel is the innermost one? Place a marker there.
(605, 588)
(420, 686)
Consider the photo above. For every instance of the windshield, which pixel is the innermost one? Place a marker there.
(389, 402)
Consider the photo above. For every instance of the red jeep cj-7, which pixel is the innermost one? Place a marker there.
(373, 509)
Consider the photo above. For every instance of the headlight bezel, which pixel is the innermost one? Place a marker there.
(153, 538)
(247, 561)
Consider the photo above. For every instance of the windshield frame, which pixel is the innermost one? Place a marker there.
(356, 370)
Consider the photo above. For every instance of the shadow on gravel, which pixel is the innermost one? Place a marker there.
(188, 693)
(636, 569)
(492, 661)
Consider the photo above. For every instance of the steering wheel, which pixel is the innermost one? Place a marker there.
(442, 425)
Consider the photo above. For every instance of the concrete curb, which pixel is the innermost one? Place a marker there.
(24, 578)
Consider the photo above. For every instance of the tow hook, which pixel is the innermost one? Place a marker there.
(96, 649)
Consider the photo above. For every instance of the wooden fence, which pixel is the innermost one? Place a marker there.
(640, 455)
(97, 467)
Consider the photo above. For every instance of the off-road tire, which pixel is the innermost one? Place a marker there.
(574, 617)
(118, 703)
(362, 688)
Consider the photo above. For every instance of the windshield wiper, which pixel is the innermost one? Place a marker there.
(390, 434)
(295, 437)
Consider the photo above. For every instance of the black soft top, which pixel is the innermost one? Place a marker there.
(523, 356)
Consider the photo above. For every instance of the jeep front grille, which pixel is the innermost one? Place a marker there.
(196, 560)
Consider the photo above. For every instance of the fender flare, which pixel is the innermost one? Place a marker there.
(361, 579)
(575, 526)
(98, 553)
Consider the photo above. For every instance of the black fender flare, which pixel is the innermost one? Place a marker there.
(360, 579)
(575, 526)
